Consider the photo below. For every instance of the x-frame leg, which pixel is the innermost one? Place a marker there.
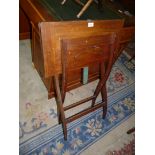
(60, 105)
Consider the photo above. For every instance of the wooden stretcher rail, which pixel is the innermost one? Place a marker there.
(84, 112)
(78, 103)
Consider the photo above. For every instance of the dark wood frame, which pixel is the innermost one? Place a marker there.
(92, 47)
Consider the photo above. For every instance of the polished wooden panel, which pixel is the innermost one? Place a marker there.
(24, 26)
(83, 51)
(37, 54)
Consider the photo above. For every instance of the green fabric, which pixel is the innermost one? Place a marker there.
(85, 75)
(70, 9)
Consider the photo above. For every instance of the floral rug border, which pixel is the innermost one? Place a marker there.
(52, 140)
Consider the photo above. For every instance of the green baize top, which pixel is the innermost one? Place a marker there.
(70, 9)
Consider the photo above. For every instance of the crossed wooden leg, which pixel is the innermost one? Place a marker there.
(60, 105)
(101, 87)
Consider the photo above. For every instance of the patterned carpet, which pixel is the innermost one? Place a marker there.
(127, 149)
(39, 132)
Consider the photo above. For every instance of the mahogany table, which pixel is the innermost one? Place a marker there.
(52, 22)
